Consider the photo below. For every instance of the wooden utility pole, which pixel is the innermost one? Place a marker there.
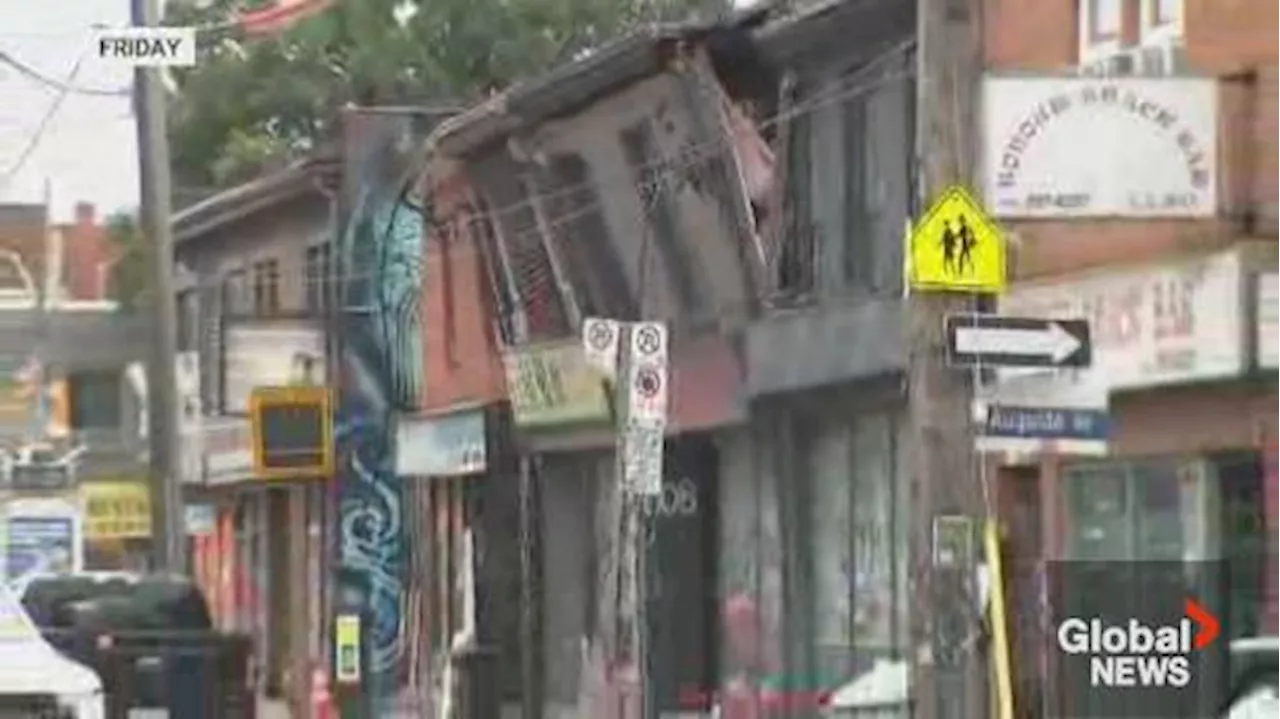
(948, 673)
(167, 534)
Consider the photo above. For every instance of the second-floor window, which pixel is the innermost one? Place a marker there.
(235, 293)
(266, 287)
(319, 279)
(583, 237)
(95, 400)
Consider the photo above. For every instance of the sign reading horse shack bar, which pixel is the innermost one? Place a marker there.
(553, 385)
(1100, 147)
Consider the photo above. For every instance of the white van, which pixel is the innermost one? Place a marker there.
(37, 681)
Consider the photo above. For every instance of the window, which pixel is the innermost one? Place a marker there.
(662, 214)
(319, 278)
(1162, 50)
(1100, 24)
(95, 401)
(235, 293)
(797, 243)
(266, 287)
(582, 235)
(1161, 13)
(1105, 19)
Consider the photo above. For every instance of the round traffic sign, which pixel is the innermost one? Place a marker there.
(648, 382)
(648, 340)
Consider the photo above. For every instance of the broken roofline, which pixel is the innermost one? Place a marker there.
(575, 84)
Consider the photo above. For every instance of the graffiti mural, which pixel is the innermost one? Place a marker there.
(380, 364)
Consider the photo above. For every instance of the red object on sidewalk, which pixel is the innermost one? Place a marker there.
(321, 698)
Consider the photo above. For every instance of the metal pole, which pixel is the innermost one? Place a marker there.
(168, 552)
(947, 676)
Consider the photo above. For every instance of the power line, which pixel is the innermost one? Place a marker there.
(63, 86)
(45, 123)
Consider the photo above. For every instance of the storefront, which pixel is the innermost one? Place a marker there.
(1191, 422)
(262, 566)
(814, 535)
(443, 459)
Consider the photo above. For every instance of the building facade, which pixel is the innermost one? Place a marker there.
(1175, 285)
(253, 308)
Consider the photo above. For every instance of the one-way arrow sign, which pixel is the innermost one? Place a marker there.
(999, 341)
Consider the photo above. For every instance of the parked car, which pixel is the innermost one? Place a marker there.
(1255, 676)
(151, 639)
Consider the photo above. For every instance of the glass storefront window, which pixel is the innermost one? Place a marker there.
(1135, 510)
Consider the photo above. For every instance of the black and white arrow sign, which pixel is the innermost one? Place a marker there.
(999, 341)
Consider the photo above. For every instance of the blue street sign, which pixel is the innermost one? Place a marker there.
(1047, 423)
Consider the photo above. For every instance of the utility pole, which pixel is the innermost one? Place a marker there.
(949, 676)
(167, 533)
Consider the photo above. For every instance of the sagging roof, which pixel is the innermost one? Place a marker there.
(577, 83)
(295, 180)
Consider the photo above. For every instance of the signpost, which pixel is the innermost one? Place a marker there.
(999, 341)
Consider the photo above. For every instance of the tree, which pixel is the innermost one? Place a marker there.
(247, 103)
(128, 282)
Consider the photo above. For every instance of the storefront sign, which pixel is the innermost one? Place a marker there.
(1161, 326)
(268, 353)
(41, 536)
(228, 450)
(43, 476)
(442, 446)
(554, 385)
(1151, 146)
(1268, 315)
(116, 509)
(201, 520)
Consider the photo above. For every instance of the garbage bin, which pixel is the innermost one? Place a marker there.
(475, 671)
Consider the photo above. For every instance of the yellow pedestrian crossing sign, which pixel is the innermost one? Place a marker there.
(956, 247)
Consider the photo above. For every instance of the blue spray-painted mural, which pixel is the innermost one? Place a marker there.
(380, 352)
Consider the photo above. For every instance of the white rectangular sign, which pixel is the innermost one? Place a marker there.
(146, 46)
(1268, 317)
(1164, 325)
(600, 339)
(642, 458)
(270, 353)
(647, 377)
(1061, 146)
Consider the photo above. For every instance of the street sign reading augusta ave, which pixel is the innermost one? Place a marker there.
(999, 341)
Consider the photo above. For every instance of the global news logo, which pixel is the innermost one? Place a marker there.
(1134, 655)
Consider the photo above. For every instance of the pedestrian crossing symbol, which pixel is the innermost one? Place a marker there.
(956, 247)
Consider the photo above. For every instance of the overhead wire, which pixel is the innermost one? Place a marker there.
(46, 121)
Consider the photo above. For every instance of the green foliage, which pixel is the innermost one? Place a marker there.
(247, 103)
(128, 283)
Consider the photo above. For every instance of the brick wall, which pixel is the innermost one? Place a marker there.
(459, 346)
(1221, 37)
(86, 255)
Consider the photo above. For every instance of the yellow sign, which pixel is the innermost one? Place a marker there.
(554, 385)
(347, 639)
(957, 247)
(292, 430)
(116, 510)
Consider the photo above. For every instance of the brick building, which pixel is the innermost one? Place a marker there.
(1182, 308)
